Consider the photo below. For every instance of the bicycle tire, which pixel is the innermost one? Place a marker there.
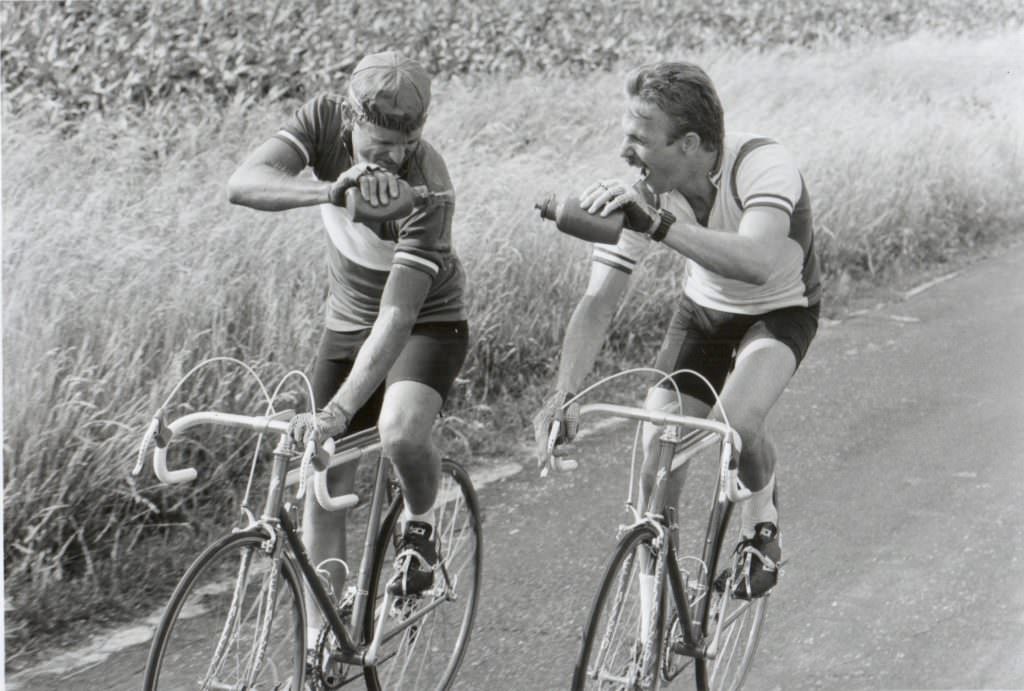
(218, 609)
(744, 619)
(617, 640)
(428, 656)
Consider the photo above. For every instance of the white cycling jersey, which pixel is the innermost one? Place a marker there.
(754, 171)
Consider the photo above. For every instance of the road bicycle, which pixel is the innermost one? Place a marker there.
(237, 618)
(690, 611)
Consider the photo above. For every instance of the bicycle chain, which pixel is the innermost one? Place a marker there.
(320, 654)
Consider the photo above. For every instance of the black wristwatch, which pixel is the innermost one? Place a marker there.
(667, 218)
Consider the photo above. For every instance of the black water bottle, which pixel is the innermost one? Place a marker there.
(408, 198)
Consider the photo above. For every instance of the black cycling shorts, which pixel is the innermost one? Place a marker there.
(433, 355)
(705, 340)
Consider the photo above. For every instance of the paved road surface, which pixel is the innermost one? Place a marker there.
(902, 485)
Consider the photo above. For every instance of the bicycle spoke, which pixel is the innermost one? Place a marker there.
(427, 636)
(737, 622)
(235, 621)
(616, 651)
(618, 601)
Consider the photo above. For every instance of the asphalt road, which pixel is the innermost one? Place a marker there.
(902, 481)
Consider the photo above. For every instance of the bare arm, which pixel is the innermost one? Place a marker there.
(268, 179)
(404, 293)
(749, 255)
(589, 325)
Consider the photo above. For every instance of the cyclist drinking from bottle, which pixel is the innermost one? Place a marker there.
(736, 207)
(395, 333)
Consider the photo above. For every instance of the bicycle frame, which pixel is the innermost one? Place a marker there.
(674, 451)
(275, 520)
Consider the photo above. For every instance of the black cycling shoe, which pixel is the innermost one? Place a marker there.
(415, 562)
(761, 556)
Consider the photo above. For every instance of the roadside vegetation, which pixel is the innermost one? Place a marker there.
(124, 265)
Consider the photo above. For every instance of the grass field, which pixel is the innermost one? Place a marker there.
(124, 265)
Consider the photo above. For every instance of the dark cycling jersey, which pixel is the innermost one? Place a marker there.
(360, 255)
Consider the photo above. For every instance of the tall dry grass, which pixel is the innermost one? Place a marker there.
(124, 265)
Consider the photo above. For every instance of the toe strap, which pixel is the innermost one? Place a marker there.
(767, 563)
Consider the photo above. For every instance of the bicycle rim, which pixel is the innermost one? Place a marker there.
(612, 656)
(235, 620)
(427, 655)
(741, 620)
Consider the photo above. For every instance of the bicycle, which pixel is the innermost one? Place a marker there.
(692, 614)
(237, 618)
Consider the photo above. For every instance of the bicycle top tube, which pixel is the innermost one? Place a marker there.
(658, 417)
(703, 431)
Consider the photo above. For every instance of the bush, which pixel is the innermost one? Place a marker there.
(71, 58)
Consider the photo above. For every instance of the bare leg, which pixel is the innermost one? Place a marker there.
(763, 369)
(762, 372)
(405, 424)
(323, 535)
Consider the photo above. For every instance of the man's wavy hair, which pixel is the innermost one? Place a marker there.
(686, 94)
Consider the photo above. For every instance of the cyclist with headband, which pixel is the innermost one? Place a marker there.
(395, 332)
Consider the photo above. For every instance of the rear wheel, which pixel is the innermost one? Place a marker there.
(426, 654)
(739, 620)
(235, 620)
(613, 654)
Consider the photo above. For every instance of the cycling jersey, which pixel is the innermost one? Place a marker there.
(360, 255)
(754, 171)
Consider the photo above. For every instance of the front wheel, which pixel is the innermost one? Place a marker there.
(235, 620)
(617, 651)
(739, 620)
(425, 637)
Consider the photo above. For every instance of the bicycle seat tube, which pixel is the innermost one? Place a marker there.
(377, 508)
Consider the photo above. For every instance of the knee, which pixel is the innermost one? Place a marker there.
(753, 436)
(401, 447)
(401, 441)
(749, 424)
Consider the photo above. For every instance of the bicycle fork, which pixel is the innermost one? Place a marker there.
(273, 546)
(648, 562)
(648, 661)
